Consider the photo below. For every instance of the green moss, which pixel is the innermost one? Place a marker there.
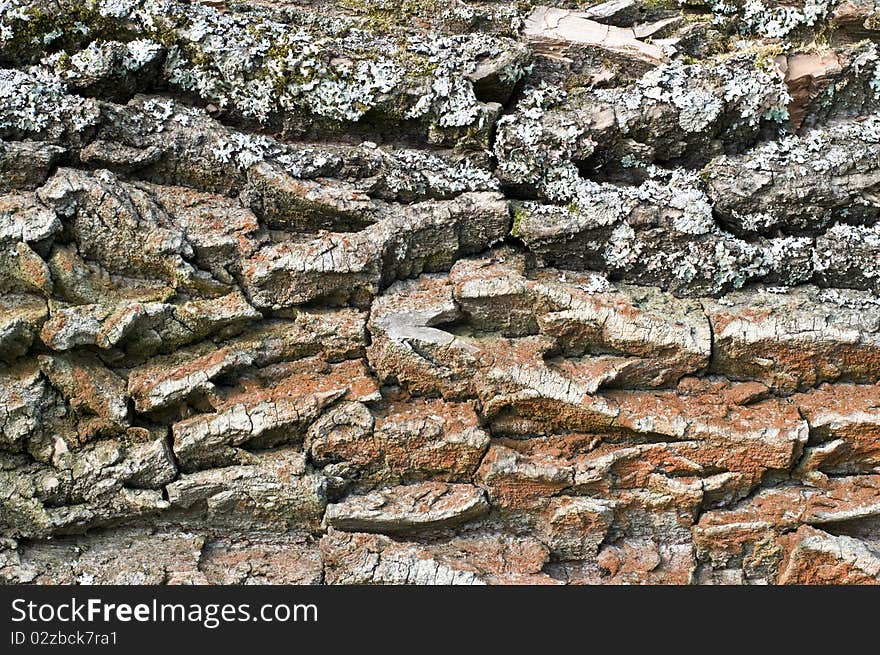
(63, 63)
(388, 16)
(280, 81)
(656, 5)
(706, 175)
(415, 64)
(765, 59)
(165, 35)
(577, 80)
(518, 215)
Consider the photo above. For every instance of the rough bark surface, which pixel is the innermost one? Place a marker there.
(439, 292)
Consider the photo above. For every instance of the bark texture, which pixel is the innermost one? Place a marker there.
(439, 292)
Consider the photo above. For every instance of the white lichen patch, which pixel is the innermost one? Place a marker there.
(866, 65)
(245, 149)
(139, 53)
(551, 133)
(418, 172)
(250, 63)
(824, 150)
(33, 100)
(13, 14)
(849, 253)
(533, 144)
(591, 282)
(848, 299)
(780, 21)
(703, 94)
(105, 62)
